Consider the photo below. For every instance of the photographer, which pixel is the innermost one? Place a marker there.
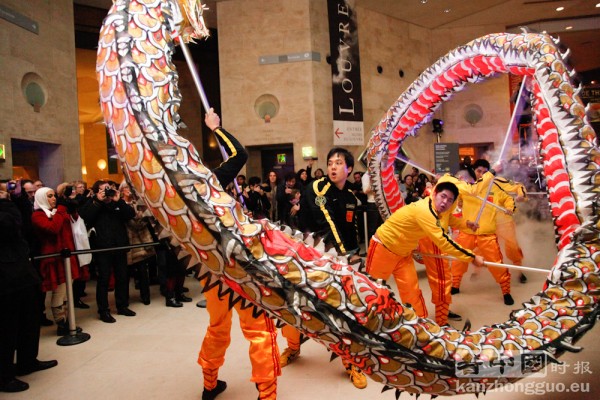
(108, 214)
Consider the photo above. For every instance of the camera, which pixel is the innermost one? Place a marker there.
(109, 192)
(11, 185)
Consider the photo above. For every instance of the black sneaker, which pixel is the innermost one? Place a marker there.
(80, 304)
(13, 386)
(454, 290)
(106, 317)
(182, 298)
(172, 302)
(35, 367)
(508, 300)
(454, 317)
(126, 312)
(213, 393)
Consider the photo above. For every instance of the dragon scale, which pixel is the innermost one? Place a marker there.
(289, 275)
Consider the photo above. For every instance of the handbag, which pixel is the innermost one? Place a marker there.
(82, 242)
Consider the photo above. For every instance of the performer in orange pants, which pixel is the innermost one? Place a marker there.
(260, 332)
(505, 224)
(484, 238)
(391, 248)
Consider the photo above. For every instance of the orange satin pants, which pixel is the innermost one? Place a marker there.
(507, 232)
(260, 332)
(439, 277)
(486, 246)
(292, 335)
(381, 263)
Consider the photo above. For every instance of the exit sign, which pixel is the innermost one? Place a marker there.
(2, 153)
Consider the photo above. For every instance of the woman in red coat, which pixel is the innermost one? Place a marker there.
(52, 227)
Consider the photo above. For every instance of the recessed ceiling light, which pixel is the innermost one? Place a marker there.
(447, 10)
(423, 1)
(569, 27)
(593, 82)
(597, 5)
(559, 8)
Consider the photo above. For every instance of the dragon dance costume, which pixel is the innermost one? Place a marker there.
(271, 267)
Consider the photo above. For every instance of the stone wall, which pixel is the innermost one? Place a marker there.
(248, 30)
(49, 55)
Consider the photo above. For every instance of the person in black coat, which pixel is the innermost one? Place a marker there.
(107, 213)
(19, 301)
(284, 195)
(256, 199)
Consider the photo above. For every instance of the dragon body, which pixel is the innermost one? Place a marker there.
(289, 275)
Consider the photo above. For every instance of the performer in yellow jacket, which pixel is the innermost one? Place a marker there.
(484, 238)
(260, 331)
(439, 273)
(391, 248)
(505, 224)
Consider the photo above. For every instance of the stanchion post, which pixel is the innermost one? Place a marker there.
(73, 337)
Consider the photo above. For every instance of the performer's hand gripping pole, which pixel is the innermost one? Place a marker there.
(509, 131)
(196, 77)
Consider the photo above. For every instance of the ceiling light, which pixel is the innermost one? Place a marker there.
(447, 10)
(593, 82)
(559, 8)
(597, 5)
(569, 27)
(423, 1)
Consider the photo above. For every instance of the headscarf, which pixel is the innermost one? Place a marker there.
(41, 202)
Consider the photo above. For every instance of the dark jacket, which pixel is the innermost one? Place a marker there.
(258, 204)
(229, 169)
(108, 220)
(25, 207)
(283, 203)
(16, 271)
(332, 212)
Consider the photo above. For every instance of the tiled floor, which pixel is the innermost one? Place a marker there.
(153, 355)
